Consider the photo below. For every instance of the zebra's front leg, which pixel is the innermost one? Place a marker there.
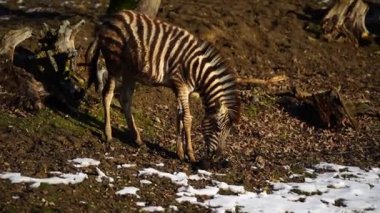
(180, 131)
(126, 97)
(183, 96)
(108, 93)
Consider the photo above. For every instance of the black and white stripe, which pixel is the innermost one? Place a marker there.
(157, 53)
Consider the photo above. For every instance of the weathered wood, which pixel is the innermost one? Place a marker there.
(9, 42)
(58, 47)
(346, 21)
(66, 37)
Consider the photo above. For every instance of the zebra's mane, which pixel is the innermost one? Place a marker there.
(233, 109)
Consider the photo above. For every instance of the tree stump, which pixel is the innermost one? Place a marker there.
(57, 58)
(325, 109)
(346, 21)
(50, 70)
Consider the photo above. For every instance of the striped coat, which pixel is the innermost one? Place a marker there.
(137, 48)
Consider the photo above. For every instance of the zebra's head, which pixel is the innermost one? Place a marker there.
(216, 127)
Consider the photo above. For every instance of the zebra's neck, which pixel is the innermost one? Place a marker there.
(213, 80)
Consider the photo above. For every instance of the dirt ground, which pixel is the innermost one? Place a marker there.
(259, 39)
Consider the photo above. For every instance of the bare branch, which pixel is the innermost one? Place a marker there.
(273, 80)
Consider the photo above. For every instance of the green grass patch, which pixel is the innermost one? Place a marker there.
(145, 122)
(252, 111)
(43, 122)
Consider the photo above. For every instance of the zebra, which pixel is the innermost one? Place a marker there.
(139, 49)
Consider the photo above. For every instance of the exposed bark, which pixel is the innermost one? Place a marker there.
(346, 21)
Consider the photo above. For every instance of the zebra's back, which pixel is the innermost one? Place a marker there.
(151, 49)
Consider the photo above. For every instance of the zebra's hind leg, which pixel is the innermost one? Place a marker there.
(180, 131)
(183, 96)
(108, 93)
(126, 96)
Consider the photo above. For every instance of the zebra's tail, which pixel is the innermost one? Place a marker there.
(92, 57)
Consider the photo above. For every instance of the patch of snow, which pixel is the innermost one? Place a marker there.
(178, 178)
(356, 189)
(192, 200)
(152, 209)
(141, 204)
(55, 172)
(160, 164)
(129, 190)
(232, 188)
(202, 175)
(84, 162)
(147, 182)
(102, 176)
(173, 208)
(295, 176)
(126, 166)
(189, 191)
(36, 182)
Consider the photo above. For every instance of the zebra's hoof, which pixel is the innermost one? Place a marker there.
(139, 142)
(191, 158)
(204, 164)
(222, 164)
(108, 140)
(108, 147)
(181, 155)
